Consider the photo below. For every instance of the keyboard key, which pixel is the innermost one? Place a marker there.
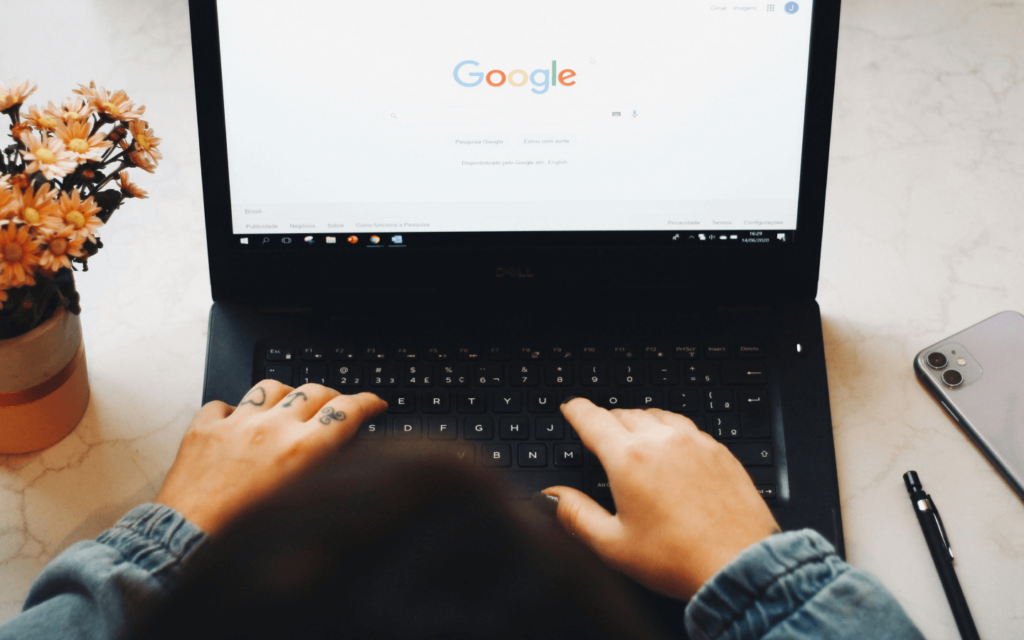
(468, 354)
(533, 455)
(767, 491)
(616, 399)
(592, 353)
(496, 455)
(280, 372)
(462, 451)
(682, 401)
(313, 374)
(418, 375)
(558, 375)
(594, 375)
(529, 353)
(278, 354)
(742, 373)
(401, 402)
(568, 455)
(753, 454)
(344, 354)
(749, 352)
(313, 354)
(499, 354)
(506, 401)
(544, 401)
(513, 428)
(488, 375)
(686, 352)
(454, 375)
(524, 375)
(752, 400)
(348, 375)
(716, 352)
(719, 400)
(664, 374)
(755, 424)
(478, 428)
(472, 402)
(527, 483)
(550, 429)
(371, 354)
(629, 374)
(599, 485)
(654, 352)
(561, 353)
(407, 429)
(725, 427)
(373, 429)
(442, 429)
(436, 402)
(646, 399)
(698, 373)
(623, 353)
(383, 375)
(438, 354)
(406, 354)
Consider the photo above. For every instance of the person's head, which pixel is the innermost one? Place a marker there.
(398, 546)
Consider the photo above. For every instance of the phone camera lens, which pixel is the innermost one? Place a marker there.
(936, 360)
(952, 378)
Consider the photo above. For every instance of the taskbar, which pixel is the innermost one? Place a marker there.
(514, 239)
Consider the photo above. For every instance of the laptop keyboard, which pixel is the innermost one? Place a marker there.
(499, 406)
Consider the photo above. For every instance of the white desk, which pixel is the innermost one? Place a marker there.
(922, 238)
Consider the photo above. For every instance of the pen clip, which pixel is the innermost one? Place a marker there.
(938, 520)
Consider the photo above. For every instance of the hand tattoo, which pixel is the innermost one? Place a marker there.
(330, 413)
(257, 398)
(291, 398)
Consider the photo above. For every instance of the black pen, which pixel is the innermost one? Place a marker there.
(942, 555)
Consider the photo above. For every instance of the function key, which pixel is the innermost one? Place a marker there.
(313, 354)
(405, 354)
(279, 354)
(468, 354)
(623, 353)
(343, 354)
(592, 353)
(686, 352)
(562, 353)
(375, 353)
(529, 353)
(745, 352)
(653, 352)
(437, 354)
(499, 354)
(716, 352)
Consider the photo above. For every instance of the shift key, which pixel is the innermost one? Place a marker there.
(753, 454)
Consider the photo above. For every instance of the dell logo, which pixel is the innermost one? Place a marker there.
(513, 272)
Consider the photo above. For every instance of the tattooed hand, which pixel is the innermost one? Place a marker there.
(231, 458)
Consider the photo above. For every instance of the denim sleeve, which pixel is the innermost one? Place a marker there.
(794, 586)
(99, 588)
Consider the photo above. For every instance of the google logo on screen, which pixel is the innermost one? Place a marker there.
(541, 79)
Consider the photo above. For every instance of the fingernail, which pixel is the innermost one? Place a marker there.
(567, 400)
(544, 502)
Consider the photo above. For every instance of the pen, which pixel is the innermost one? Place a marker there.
(942, 554)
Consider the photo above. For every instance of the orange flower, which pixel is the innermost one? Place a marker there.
(19, 129)
(48, 155)
(19, 255)
(5, 182)
(73, 109)
(20, 181)
(130, 189)
(141, 161)
(78, 141)
(145, 142)
(59, 248)
(6, 200)
(37, 207)
(115, 106)
(41, 120)
(15, 95)
(79, 215)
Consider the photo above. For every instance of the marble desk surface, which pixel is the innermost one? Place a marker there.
(923, 235)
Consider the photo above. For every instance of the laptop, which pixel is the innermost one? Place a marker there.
(478, 209)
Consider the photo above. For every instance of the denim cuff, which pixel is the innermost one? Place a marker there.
(156, 538)
(763, 585)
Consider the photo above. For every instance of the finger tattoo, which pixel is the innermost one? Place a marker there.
(291, 397)
(257, 398)
(330, 414)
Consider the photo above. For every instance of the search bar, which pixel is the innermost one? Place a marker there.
(541, 114)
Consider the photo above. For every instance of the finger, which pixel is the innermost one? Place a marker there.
(338, 420)
(636, 419)
(262, 397)
(303, 403)
(672, 419)
(210, 412)
(599, 430)
(582, 517)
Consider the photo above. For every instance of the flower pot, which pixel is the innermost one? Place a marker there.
(44, 385)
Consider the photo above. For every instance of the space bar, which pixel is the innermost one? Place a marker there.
(528, 483)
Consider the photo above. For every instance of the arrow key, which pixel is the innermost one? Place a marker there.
(743, 373)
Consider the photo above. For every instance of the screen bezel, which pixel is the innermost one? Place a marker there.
(744, 274)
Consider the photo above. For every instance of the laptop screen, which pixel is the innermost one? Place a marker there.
(415, 123)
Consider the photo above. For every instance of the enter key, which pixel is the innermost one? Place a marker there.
(754, 414)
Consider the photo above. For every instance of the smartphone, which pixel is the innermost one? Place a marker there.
(978, 376)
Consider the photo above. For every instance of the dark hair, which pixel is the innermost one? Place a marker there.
(398, 546)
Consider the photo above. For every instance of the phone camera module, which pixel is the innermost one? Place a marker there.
(937, 360)
(953, 378)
